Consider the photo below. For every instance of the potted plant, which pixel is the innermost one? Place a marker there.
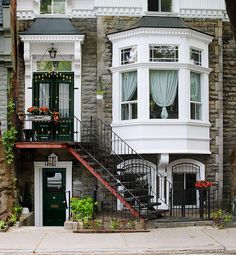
(39, 113)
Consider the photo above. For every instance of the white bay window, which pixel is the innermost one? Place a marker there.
(162, 106)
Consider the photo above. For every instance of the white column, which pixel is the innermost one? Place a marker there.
(116, 97)
(77, 84)
(184, 94)
(205, 97)
(28, 80)
(143, 93)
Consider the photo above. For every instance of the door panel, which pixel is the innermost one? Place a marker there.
(54, 211)
(55, 91)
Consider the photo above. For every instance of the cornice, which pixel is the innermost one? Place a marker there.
(50, 38)
(159, 31)
(161, 66)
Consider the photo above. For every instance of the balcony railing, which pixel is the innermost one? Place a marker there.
(43, 128)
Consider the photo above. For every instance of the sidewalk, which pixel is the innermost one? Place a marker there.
(56, 240)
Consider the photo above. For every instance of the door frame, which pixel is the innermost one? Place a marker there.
(38, 187)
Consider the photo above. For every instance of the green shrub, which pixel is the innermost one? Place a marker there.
(82, 209)
(115, 224)
(12, 220)
(220, 218)
(17, 210)
(2, 224)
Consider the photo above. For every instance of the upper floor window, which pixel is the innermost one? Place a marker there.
(52, 6)
(195, 96)
(159, 5)
(164, 53)
(196, 56)
(163, 94)
(129, 96)
(128, 55)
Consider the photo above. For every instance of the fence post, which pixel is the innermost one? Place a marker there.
(183, 203)
(201, 202)
(208, 203)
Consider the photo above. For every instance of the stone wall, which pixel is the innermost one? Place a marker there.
(3, 96)
(89, 66)
(229, 76)
(6, 186)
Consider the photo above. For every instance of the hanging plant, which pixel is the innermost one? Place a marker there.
(9, 138)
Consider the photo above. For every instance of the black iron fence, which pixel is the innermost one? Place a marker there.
(194, 204)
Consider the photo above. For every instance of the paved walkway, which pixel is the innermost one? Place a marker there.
(56, 240)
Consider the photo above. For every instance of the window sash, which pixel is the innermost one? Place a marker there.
(196, 56)
(53, 6)
(129, 110)
(163, 53)
(159, 5)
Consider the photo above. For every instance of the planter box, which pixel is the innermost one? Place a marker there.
(39, 117)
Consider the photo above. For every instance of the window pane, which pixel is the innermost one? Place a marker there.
(125, 111)
(163, 94)
(47, 66)
(64, 99)
(134, 111)
(59, 6)
(163, 53)
(159, 5)
(54, 182)
(196, 111)
(196, 57)
(165, 5)
(44, 95)
(128, 55)
(195, 96)
(129, 86)
(45, 6)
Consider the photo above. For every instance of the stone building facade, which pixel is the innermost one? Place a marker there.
(95, 58)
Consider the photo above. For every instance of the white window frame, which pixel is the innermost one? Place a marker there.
(160, 7)
(196, 103)
(52, 9)
(161, 60)
(132, 50)
(197, 51)
(129, 103)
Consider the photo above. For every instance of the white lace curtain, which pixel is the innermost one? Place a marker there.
(164, 86)
(129, 85)
(195, 91)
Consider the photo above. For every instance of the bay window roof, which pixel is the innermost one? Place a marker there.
(159, 22)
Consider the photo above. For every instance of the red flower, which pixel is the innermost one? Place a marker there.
(202, 184)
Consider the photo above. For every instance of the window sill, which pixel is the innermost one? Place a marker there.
(53, 16)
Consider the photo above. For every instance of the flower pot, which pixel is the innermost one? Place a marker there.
(39, 117)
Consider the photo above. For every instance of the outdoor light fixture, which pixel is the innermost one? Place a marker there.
(52, 160)
(52, 52)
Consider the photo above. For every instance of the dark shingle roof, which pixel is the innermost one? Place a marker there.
(159, 22)
(52, 26)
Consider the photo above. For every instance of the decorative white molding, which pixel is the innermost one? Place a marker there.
(161, 66)
(38, 187)
(50, 38)
(202, 13)
(160, 31)
(119, 11)
(81, 13)
(25, 14)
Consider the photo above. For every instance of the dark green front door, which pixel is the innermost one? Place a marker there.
(55, 91)
(54, 204)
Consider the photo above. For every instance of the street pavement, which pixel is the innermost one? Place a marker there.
(57, 240)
